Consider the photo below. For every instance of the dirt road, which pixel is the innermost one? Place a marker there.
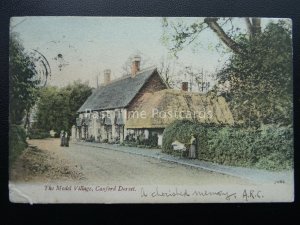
(46, 161)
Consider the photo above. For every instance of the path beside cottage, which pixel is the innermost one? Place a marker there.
(254, 175)
(46, 161)
(93, 167)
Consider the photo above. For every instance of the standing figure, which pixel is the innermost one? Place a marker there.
(62, 138)
(192, 152)
(66, 139)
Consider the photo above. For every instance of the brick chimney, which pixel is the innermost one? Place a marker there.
(135, 66)
(107, 73)
(184, 86)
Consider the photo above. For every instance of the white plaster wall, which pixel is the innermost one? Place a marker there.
(159, 142)
(73, 133)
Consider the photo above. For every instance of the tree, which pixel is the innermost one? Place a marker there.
(25, 76)
(166, 70)
(259, 70)
(180, 34)
(23, 85)
(198, 79)
(52, 109)
(57, 107)
(261, 78)
(27, 72)
(79, 92)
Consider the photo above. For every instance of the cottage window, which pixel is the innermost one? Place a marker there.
(116, 117)
(78, 122)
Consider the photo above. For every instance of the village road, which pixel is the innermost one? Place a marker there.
(98, 165)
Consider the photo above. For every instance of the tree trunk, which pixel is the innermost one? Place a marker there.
(212, 23)
(254, 27)
(27, 119)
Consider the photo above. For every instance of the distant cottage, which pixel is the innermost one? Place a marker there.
(142, 103)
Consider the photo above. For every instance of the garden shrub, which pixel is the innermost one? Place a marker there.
(181, 131)
(91, 139)
(140, 141)
(38, 134)
(152, 140)
(269, 147)
(17, 142)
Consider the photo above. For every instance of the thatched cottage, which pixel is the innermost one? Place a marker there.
(103, 116)
(155, 111)
(142, 103)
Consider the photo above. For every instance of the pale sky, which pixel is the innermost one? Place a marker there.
(90, 45)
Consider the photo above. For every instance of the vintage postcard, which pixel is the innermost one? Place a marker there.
(151, 110)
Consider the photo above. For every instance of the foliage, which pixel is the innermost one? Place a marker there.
(24, 81)
(91, 139)
(178, 34)
(38, 134)
(181, 131)
(17, 142)
(23, 85)
(152, 140)
(57, 107)
(78, 93)
(261, 78)
(259, 69)
(140, 141)
(269, 147)
(52, 110)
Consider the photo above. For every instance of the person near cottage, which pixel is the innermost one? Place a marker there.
(66, 139)
(62, 138)
(192, 152)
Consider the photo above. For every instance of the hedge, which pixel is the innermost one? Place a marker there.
(270, 147)
(140, 141)
(17, 142)
(38, 134)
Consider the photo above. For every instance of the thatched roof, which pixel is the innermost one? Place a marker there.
(118, 93)
(176, 104)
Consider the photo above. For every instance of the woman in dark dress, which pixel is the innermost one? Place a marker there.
(66, 139)
(192, 152)
(62, 138)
